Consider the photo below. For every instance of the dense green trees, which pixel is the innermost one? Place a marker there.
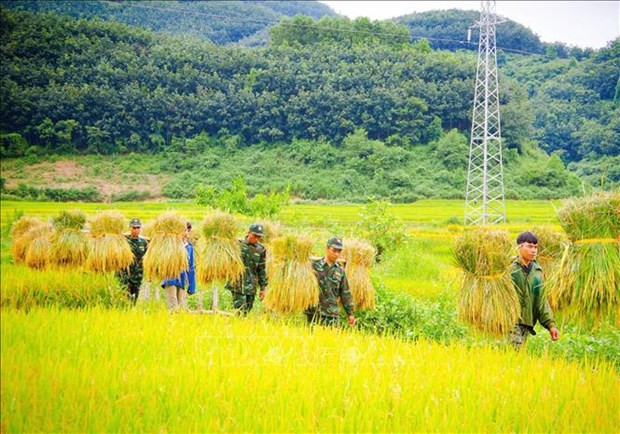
(221, 22)
(362, 99)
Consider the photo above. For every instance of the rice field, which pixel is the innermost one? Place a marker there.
(134, 371)
(77, 357)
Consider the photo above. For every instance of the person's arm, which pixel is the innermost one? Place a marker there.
(347, 299)
(262, 274)
(545, 315)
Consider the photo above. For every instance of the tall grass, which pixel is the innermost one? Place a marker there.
(105, 371)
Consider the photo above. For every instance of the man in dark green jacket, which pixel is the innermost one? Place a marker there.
(528, 281)
(333, 285)
(254, 256)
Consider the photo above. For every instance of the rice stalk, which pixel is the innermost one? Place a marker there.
(359, 257)
(69, 248)
(586, 283)
(20, 242)
(110, 250)
(166, 256)
(219, 254)
(487, 300)
(74, 219)
(293, 286)
(39, 243)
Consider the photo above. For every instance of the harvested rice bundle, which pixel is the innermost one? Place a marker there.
(20, 243)
(219, 254)
(293, 286)
(272, 231)
(166, 256)
(70, 246)
(38, 241)
(488, 300)
(110, 250)
(587, 279)
(551, 246)
(360, 256)
(69, 220)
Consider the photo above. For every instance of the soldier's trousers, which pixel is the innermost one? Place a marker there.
(243, 302)
(518, 336)
(134, 291)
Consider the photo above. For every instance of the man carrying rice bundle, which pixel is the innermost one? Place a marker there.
(333, 284)
(131, 278)
(528, 282)
(254, 255)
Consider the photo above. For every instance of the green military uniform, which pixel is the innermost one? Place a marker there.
(244, 291)
(333, 284)
(528, 283)
(132, 277)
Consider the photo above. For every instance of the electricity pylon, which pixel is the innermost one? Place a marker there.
(484, 201)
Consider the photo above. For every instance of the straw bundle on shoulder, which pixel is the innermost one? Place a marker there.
(110, 250)
(70, 246)
(360, 256)
(293, 286)
(166, 256)
(551, 246)
(219, 254)
(38, 240)
(20, 242)
(587, 280)
(488, 300)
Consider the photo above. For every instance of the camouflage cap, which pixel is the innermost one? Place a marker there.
(257, 229)
(335, 242)
(135, 223)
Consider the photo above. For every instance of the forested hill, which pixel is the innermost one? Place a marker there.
(221, 22)
(91, 86)
(447, 30)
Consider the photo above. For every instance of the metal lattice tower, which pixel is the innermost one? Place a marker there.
(484, 201)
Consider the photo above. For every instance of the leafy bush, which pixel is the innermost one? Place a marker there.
(379, 225)
(236, 200)
(402, 315)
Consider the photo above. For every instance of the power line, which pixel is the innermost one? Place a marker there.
(311, 26)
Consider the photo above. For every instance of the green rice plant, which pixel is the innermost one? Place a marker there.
(487, 300)
(166, 256)
(23, 288)
(219, 254)
(109, 251)
(586, 283)
(293, 286)
(118, 373)
(360, 256)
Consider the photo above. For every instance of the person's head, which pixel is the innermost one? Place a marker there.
(255, 233)
(188, 229)
(134, 227)
(528, 246)
(334, 248)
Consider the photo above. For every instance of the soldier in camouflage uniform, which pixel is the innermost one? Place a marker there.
(528, 282)
(254, 256)
(333, 284)
(132, 277)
